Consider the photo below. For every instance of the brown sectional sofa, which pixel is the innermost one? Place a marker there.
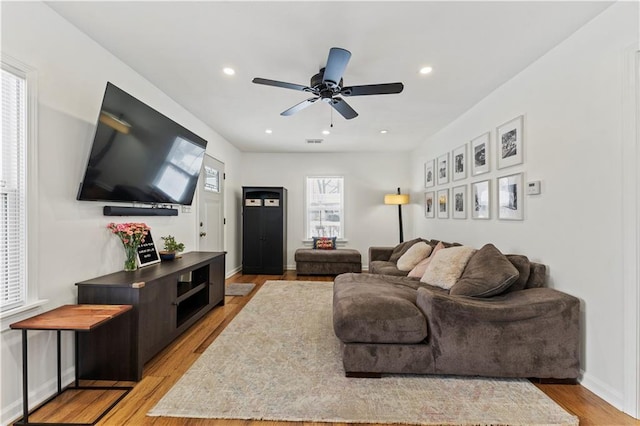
(389, 323)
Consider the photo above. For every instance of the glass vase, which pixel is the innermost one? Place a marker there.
(130, 261)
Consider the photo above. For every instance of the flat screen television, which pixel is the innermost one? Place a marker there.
(139, 155)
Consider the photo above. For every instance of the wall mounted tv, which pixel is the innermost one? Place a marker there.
(140, 156)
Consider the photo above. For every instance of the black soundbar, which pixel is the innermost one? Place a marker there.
(138, 211)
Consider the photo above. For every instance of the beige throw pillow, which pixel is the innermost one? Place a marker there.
(418, 270)
(446, 266)
(413, 256)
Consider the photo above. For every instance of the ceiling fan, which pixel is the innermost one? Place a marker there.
(328, 84)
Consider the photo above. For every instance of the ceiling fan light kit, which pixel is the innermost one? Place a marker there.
(327, 84)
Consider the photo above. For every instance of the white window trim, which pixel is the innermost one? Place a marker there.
(30, 74)
(339, 241)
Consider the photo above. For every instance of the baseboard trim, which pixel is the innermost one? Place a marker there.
(603, 390)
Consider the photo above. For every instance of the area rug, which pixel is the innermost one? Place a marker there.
(238, 289)
(280, 360)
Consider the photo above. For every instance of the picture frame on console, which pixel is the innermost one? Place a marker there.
(511, 197)
(442, 168)
(429, 174)
(429, 205)
(480, 153)
(481, 200)
(510, 142)
(459, 202)
(459, 163)
(443, 204)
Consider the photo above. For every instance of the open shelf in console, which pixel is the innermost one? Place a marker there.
(192, 295)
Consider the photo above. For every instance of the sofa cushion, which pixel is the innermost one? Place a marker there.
(413, 256)
(385, 268)
(376, 312)
(487, 273)
(418, 270)
(446, 266)
(401, 248)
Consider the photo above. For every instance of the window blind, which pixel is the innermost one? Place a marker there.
(13, 272)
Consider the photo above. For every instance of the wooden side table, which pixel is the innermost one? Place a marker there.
(76, 318)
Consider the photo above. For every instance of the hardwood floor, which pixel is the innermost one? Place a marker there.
(169, 365)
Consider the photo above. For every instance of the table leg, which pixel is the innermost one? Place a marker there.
(77, 357)
(25, 380)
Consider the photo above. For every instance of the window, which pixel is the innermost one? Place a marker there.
(324, 207)
(17, 136)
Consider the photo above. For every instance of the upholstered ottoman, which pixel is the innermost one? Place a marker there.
(327, 262)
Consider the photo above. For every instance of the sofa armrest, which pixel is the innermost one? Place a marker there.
(527, 333)
(380, 253)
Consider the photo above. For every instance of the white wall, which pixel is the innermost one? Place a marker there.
(368, 177)
(73, 243)
(572, 102)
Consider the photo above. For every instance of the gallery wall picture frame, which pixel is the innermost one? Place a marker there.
(480, 154)
(459, 202)
(510, 142)
(511, 197)
(459, 163)
(443, 204)
(429, 174)
(481, 199)
(442, 169)
(429, 204)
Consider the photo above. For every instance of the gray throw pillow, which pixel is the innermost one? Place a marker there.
(487, 273)
(523, 266)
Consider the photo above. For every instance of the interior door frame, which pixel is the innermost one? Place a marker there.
(199, 201)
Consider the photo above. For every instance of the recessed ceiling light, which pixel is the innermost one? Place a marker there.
(229, 71)
(426, 70)
(268, 131)
(325, 132)
(384, 131)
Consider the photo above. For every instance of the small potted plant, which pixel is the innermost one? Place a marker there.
(171, 248)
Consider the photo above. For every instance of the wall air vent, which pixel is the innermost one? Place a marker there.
(314, 140)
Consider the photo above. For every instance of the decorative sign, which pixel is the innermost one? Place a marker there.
(147, 252)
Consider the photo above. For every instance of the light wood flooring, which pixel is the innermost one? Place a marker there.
(169, 365)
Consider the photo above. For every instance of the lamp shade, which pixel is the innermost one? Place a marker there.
(396, 199)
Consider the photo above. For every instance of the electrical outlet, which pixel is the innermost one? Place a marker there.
(186, 209)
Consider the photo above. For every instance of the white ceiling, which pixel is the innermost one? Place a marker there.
(473, 47)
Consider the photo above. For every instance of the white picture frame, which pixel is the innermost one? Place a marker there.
(510, 142)
(443, 204)
(459, 163)
(429, 174)
(442, 168)
(480, 154)
(459, 202)
(511, 197)
(481, 200)
(430, 204)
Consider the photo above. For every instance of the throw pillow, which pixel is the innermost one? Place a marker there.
(523, 266)
(446, 266)
(487, 273)
(413, 256)
(418, 270)
(401, 248)
(324, 243)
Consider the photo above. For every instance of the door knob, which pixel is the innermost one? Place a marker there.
(203, 234)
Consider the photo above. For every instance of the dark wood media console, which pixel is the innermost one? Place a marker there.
(167, 298)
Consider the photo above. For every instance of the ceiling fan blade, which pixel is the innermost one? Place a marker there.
(302, 105)
(343, 108)
(275, 83)
(336, 64)
(373, 89)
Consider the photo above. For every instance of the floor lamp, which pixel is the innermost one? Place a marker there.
(397, 200)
